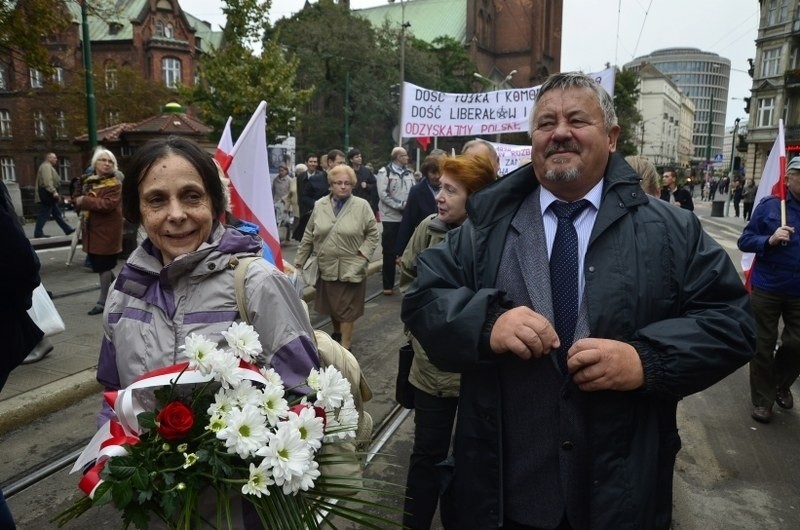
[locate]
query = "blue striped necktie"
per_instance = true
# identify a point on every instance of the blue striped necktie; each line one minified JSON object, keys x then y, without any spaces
{"x":564,"y":275}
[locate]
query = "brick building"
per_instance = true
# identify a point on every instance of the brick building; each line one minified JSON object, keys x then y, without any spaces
{"x":501,"y":37}
{"x":154,"y":38}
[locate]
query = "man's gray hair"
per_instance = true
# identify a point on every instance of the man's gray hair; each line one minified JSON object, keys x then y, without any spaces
{"x":479,"y":141}
{"x":568,"y":80}
{"x":397,"y":152}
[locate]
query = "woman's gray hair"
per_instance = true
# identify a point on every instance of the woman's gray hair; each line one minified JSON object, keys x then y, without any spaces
{"x":568,"y":80}
{"x":100,"y":151}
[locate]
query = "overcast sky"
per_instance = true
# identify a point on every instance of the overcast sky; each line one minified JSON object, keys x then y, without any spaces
{"x":596,"y":32}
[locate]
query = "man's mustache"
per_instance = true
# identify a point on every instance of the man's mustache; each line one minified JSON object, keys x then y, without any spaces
{"x":562,"y":147}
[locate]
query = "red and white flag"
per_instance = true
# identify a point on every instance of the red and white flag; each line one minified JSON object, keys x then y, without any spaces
{"x":773,"y":182}
{"x":224,"y":147}
{"x":251,"y":185}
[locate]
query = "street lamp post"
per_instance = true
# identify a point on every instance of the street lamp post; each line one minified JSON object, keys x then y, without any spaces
{"x":403,"y":26}
{"x":91,"y":117}
{"x":496,"y":86}
{"x":730,"y":173}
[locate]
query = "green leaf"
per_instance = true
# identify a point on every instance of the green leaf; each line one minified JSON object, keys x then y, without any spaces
{"x":141,"y":479}
{"x":147,"y":420}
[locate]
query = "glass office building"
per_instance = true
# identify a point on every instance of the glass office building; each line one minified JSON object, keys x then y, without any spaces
{"x":704,"y":77}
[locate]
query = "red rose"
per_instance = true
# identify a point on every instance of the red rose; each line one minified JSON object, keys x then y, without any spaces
{"x":175,"y":421}
{"x":319,"y":412}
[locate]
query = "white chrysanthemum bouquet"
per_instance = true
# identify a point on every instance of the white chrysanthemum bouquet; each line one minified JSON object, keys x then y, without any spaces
{"x":227,"y":430}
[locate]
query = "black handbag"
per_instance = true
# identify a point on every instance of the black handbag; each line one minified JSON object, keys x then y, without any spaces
{"x":404,"y":390}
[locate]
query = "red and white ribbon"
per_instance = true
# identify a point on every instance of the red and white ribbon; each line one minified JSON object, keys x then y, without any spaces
{"x":110,"y":440}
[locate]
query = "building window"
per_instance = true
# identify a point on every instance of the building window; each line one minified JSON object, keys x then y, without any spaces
{"x":159,"y":28}
{"x":3,"y":78}
{"x":766,"y":108}
{"x":770,"y":62}
{"x":7,"y":169}
{"x":61,"y":124}
{"x":777,"y":12}
{"x":171,"y":72}
{"x":111,"y":77}
{"x":36,"y":78}
{"x":63,"y":169}
{"x":112,"y":118}
{"x":169,"y":32}
{"x":39,"y":124}
{"x":5,"y":124}
{"x":58,"y":76}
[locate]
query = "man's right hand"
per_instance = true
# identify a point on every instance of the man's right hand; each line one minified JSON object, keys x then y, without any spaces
{"x":524,"y":333}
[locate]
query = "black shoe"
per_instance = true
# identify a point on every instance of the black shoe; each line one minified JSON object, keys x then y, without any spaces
{"x":762,"y":414}
{"x":784,"y":398}
{"x":337,"y":337}
{"x":40,"y":236}
{"x":69,"y":233}
{"x":96,"y":310}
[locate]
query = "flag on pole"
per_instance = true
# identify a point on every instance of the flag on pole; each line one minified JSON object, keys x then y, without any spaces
{"x":224,"y":147}
{"x":251,"y":186}
{"x":773,"y":182}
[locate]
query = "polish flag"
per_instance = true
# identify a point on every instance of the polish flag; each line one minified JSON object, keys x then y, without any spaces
{"x":773,"y":182}
{"x":224,"y":147}
{"x":251,"y":186}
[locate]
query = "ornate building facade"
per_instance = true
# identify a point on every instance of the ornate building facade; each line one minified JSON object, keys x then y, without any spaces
{"x":155,"y":38}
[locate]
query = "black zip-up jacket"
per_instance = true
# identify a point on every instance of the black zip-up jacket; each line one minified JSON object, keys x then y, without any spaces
{"x":654,"y":279}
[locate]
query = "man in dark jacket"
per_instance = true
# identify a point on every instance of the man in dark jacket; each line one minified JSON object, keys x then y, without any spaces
{"x":366,"y":184}
{"x":675,"y":195}
{"x":574,"y":430}
{"x":305,"y":199}
{"x":775,"y":296}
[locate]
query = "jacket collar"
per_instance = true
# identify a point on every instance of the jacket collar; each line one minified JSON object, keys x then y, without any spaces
{"x":504,"y":196}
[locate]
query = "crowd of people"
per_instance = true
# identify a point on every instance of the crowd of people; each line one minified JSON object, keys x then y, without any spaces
{"x":545,"y":394}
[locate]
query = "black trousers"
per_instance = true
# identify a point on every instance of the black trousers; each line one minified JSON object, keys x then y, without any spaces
{"x":433,"y":430}
{"x":388,"y":240}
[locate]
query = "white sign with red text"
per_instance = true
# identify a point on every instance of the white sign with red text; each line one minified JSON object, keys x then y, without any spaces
{"x":511,"y":156}
{"x":436,"y":114}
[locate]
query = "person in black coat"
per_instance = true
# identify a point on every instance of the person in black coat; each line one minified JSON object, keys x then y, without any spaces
{"x":18,"y":278}
{"x":573,"y":424}
{"x":366,"y":183}
{"x":421,"y":202}
{"x":675,"y":195}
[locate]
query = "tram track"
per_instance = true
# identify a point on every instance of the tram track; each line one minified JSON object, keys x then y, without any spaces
{"x":386,"y":427}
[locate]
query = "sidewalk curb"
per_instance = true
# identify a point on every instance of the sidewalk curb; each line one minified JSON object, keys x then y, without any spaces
{"x":23,"y":408}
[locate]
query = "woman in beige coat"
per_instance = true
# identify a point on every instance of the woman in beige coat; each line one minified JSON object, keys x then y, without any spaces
{"x":342,"y":233}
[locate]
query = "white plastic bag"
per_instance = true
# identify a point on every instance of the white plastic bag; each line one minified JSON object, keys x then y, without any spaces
{"x":44,"y":313}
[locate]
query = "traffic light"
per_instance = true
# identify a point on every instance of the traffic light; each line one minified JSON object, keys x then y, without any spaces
{"x":747,"y":105}
{"x":394,"y":91}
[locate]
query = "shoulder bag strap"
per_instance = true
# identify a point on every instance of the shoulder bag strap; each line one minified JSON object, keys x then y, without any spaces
{"x":239,"y":274}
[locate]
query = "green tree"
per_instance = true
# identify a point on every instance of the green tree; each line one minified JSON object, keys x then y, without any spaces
{"x":22,"y":25}
{"x":234,"y":80}
{"x":346,"y":62}
{"x":626,"y":95}
{"x":355,"y":68}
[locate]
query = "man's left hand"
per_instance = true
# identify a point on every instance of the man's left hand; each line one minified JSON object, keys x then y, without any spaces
{"x":604,"y":364}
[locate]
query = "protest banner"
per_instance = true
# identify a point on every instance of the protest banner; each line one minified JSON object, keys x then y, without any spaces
{"x":430,"y":113}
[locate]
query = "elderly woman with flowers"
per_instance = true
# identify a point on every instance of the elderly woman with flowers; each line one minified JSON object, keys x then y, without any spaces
{"x":180,"y":280}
